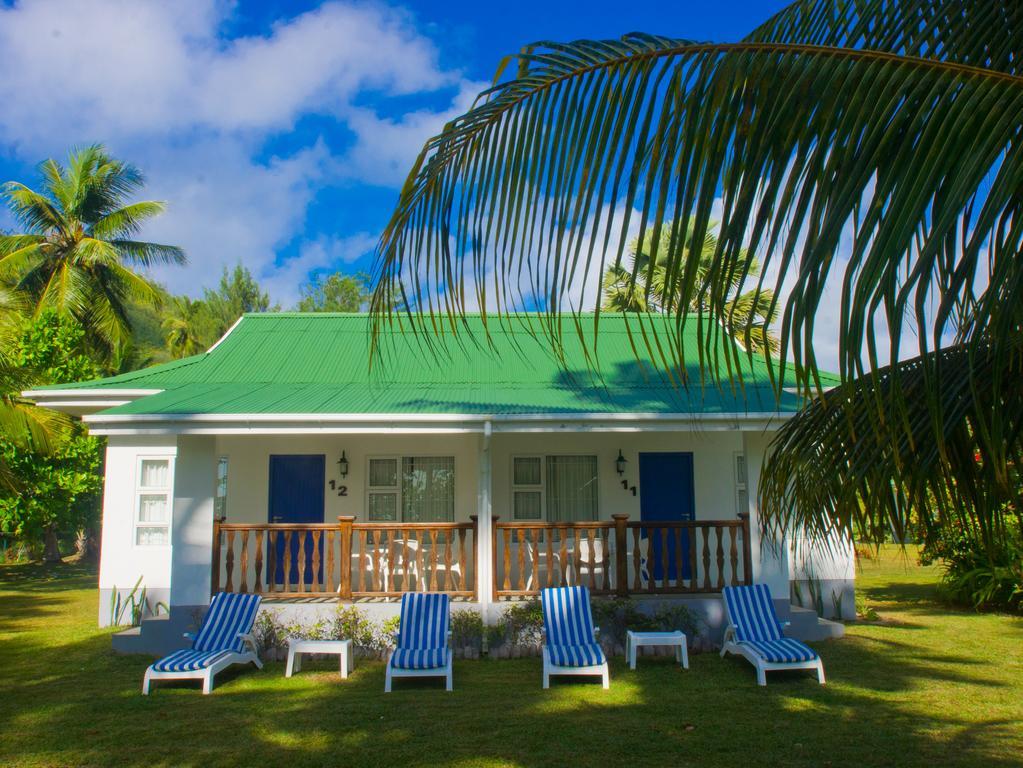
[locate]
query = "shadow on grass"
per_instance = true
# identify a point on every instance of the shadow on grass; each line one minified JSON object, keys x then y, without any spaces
{"x":890,"y":701}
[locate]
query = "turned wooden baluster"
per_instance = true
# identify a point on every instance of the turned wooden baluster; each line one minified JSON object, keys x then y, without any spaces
{"x":563,"y":557}
{"x":592,"y":559}
{"x":637,"y":561}
{"x":301,"y":561}
{"x":448,"y":577}
{"x":433,"y":559}
{"x":318,"y":576}
{"x":507,"y":558}
{"x":679,"y":584}
{"x":534,"y":548}
{"x":721,"y":558}
{"x":373,"y":542}
{"x":651,"y":549}
{"x":244,"y":587}
{"x":346,"y":550}
{"x":287,"y":561}
{"x":329,"y":572}
{"x":706,"y":558}
{"x":694,"y":584}
{"x":259,"y":561}
{"x":520,"y":578}
{"x":463,"y":570}
{"x":550,"y":559}
{"x":272,"y":545}
{"x":396,"y":542}
{"x":230,"y":562}
{"x":733,"y":556}
{"x":420,"y":569}
{"x":665,"y":563}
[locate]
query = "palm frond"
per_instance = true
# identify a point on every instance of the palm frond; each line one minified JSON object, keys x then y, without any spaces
{"x":149,"y":254}
{"x":34,"y":211}
{"x":838,"y":472}
{"x":126,"y":220}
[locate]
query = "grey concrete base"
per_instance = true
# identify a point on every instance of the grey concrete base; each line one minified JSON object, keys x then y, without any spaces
{"x":159,"y":635}
{"x":153,"y":596}
{"x":837,"y":597}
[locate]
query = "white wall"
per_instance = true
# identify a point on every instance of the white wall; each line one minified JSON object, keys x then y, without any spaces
{"x":713,"y":472}
{"x":192,"y":531}
{"x":248,"y":474}
{"x":122,"y":561}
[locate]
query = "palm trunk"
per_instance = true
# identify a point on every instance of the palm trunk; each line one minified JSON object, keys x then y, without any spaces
{"x":51,"y":546}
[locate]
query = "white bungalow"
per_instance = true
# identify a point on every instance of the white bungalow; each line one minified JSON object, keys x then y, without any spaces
{"x":282,"y":462}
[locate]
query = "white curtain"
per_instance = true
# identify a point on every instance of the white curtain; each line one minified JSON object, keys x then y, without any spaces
{"x":428,"y":489}
{"x":571,"y":488}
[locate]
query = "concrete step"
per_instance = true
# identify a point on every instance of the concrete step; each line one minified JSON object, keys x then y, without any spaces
{"x":806,"y":625}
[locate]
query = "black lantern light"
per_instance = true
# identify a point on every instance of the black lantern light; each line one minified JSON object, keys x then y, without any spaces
{"x":342,"y":465}
{"x":620,"y":463}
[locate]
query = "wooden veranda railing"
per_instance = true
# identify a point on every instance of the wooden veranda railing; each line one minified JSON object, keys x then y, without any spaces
{"x":347,"y":560}
{"x":622,"y":557}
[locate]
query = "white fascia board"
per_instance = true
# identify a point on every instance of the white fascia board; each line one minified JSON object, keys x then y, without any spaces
{"x":82,"y":402}
{"x":220,"y":341}
{"x":349,"y":423}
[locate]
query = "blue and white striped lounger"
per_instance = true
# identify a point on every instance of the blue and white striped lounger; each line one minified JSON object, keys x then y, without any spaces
{"x":422,"y":642}
{"x":570,"y":644}
{"x":754,"y":632}
{"x":223,"y":639}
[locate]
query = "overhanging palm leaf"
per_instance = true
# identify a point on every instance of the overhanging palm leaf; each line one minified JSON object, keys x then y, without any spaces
{"x":895,"y":126}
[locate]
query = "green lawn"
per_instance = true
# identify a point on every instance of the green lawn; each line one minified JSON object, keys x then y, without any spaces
{"x":927,"y":686}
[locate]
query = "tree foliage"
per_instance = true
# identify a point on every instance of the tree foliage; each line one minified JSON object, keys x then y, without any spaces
{"x":77,"y":248}
{"x":629,"y":289}
{"x":336,"y":292}
{"x":55,"y":487}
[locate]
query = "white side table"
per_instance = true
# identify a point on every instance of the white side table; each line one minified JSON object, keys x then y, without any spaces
{"x":296,"y":647}
{"x":634,"y":640}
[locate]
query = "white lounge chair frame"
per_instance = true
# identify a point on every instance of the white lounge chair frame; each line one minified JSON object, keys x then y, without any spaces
{"x":206,"y":674}
{"x":445,"y":671}
{"x":601,"y":670}
{"x":550,"y":668}
{"x":731,"y":645}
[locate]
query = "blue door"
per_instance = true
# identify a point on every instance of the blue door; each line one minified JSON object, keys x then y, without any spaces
{"x":296,"y":496}
{"x":666,"y":493}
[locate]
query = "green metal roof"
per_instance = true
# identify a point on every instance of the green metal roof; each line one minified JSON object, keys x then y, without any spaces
{"x":294,"y":363}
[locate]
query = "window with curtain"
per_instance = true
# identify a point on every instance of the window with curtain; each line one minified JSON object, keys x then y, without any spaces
{"x":562,"y":488}
{"x":153,"y":503}
{"x":571,"y":488}
{"x":414,"y":489}
{"x":428,"y":489}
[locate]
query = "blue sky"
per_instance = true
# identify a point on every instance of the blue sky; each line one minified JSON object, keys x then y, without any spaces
{"x":278,"y":132}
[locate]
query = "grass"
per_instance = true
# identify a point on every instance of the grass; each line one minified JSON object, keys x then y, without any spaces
{"x":925,"y":686}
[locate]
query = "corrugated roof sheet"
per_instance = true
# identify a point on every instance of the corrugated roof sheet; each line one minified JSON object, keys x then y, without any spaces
{"x":320,"y":363}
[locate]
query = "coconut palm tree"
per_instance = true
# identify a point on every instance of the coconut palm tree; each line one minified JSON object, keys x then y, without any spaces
{"x":76,"y":253}
{"x":641,"y":287}
{"x":866,"y":152}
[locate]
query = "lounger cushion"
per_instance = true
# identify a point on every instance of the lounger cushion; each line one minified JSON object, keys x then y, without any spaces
{"x":419,"y":658}
{"x":584,"y":655}
{"x":784,"y":651}
{"x":187,"y":660}
{"x":751,"y":612}
{"x":567,"y":620}
{"x":424,"y":620}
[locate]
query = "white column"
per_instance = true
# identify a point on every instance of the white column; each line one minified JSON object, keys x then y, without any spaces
{"x":484,"y":536}
{"x":192,"y":530}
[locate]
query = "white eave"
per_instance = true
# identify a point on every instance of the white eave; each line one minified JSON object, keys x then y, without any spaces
{"x":392,"y":423}
{"x":85,"y":401}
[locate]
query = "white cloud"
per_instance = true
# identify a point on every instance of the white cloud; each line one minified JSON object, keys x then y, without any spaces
{"x":161,"y":87}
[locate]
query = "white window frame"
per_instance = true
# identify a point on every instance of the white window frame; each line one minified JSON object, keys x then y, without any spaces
{"x":544,"y":513}
{"x":140,"y":491}
{"x":542,"y":487}
{"x":740,"y":472}
{"x":398,"y":458}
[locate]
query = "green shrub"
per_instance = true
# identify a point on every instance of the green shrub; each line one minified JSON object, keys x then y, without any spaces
{"x":467,"y":630}
{"x":984,"y":577}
